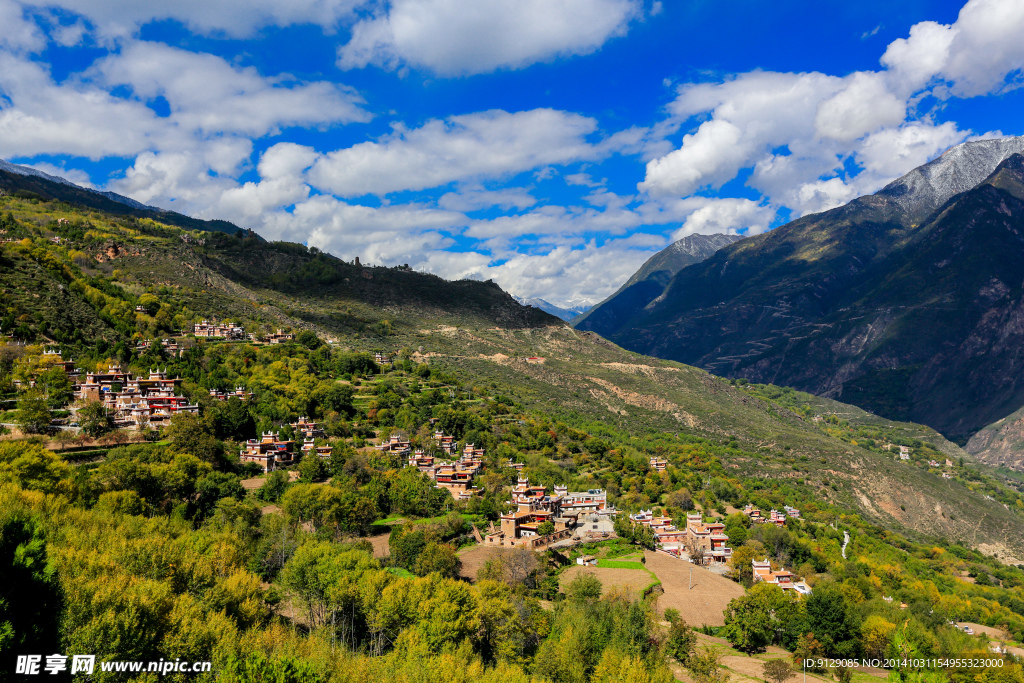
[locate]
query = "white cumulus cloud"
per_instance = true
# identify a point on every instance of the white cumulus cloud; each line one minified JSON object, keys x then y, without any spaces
{"x":490,"y":144}
{"x":207,"y":94}
{"x":458,"y":37}
{"x":234,"y":18}
{"x":17,"y":32}
{"x":974,"y":55}
{"x":728,"y":216}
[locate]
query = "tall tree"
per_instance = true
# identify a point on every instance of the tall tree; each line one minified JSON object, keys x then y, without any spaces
{"x":33,"y":412}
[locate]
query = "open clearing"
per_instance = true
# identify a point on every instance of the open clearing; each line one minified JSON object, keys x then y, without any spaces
{"x":989,"y":631}
{"x":379,"y":543}
{"x":475,"y":558}
{"x":632,"y":579}
{"x":701,"y":605}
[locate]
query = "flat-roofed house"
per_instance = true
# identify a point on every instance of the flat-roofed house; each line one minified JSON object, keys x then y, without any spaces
{"x":785,"y":580}
{"x":308,"y":429}
{"x":269,"y":451}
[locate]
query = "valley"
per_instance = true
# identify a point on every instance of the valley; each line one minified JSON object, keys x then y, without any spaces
{"x":371,"y":354}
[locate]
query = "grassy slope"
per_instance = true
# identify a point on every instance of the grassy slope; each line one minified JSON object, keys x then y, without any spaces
{"x":229,"y":278}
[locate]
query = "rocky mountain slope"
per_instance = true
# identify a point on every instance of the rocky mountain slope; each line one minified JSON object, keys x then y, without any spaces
{"x":1000,"y":444}
{"x":648,"y":284}
{"x":959,"y":169}
{"x":919,"y":321}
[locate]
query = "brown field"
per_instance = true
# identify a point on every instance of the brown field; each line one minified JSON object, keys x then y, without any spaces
{"x":475,"y":558}
{"x":632,"y":579}
{"x":379,"y":543}
{"x":254,"y":483}
{"x":989,"y":631}
{"x":701,"y":605}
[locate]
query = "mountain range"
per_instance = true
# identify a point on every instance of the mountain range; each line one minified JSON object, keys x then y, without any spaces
{"x":566,"y":313}
{"x":648,"y":284}
{"x":908,"y":302}
{"x":29,"y":182}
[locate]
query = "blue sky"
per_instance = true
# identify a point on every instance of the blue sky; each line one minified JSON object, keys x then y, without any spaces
{"x":552,"y":145}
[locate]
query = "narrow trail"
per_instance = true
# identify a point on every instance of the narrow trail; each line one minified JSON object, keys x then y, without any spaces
{"x":846,"y":542}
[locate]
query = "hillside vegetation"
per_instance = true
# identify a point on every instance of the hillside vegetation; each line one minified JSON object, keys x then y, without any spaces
{"x":157,"y":549}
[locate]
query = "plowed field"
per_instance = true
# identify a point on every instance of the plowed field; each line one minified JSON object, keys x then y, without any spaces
{"x":701,"y":605}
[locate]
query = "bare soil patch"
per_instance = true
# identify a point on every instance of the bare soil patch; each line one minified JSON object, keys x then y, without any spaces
{"x":379,"y":543}
{"x":989,"y":631}
{"x":475,"y":558}
{"x":753,"y":667}
{"x":632,"y":579}
{"x":253,"y":484}
{"x":701,"y":605}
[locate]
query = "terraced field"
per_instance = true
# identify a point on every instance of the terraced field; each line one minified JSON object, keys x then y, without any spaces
{"x":700,"y":605}
{"x":632,"y":579}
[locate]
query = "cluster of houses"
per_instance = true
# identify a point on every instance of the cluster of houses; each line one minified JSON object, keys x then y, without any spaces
{"x":279,"y":337}
{"x":170,"y":346}
{"x":132,"y":400}
{"x":935,"y":464}
{"x":214,"y":330}
{"x":206,"y":329}
{"x":272,"y":452}
{"x":534,"y":506}
{"x":785,"y":580}
{"x":211,"y":330}
{"x":50,"y":359}
{"x":702,"y":542}
{"x":774,"y":516}
{"x":239,"y":392}
{"x":455,"y":476}
{"x":659,"y":464}
{"x":947,"y":472}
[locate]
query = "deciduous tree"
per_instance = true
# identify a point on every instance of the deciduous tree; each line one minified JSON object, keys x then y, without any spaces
{"x":777,"y":671}
{"x":33,"y":414}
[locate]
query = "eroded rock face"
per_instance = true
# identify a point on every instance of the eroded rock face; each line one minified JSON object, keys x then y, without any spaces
{"x":912,"y":320}
{"x":113,"y":250}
